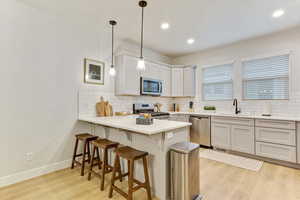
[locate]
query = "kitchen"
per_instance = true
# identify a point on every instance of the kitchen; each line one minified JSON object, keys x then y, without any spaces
{"x":225,"y":81}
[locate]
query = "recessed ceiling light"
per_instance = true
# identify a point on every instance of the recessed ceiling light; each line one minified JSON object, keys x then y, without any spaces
{"x":190,"y":41}
{"x":165,"y":26}
{"x":278,"y":13}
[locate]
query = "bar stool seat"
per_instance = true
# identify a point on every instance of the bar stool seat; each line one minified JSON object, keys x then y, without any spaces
{"x":104,"y":145}
{"x":131,"y":155}
{"x":85,"y":138}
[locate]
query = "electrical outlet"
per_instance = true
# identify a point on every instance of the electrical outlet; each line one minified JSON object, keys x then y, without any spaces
{"x":29,"y":156}
{"x":170,"y":135}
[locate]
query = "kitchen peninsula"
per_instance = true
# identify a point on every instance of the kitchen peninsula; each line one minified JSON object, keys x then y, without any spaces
{"x":154,"y":139}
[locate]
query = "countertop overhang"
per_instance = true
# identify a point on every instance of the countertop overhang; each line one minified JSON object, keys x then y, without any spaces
{"x":128,"y":123}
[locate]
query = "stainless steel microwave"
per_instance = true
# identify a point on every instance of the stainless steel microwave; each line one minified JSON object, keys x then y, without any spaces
{"x":151,"y":86}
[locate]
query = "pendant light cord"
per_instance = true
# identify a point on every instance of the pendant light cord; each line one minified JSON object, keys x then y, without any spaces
{"x":142,"y":33}
{"x":112,"y":47}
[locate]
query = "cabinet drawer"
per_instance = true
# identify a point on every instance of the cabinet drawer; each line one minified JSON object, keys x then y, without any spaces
{"x":275,"y":124}
{"x":278,"y":136}
{"x":233,"y":120}
{"x":276,"y":151}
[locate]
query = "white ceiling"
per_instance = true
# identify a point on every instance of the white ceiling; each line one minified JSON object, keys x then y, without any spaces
{"x":211,"y":22}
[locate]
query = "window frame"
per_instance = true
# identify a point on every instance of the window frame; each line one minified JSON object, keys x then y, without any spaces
{"x":282,"y":53}
{"x":232,"y":62}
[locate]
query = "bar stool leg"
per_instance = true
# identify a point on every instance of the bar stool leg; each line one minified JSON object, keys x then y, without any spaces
{"x":89,"y":152}
{"x":130,"y":179}
{"x":112,"y":183}
{"x":74,"y":154}
{"x":92,"y":163}
{"x":104,"y":167}
{"x":83,"y":157}
{"x":147,"y":182}
{"x":99,"y":159}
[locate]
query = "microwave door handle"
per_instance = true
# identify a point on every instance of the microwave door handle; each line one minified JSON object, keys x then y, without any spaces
{"x":160,"y":85}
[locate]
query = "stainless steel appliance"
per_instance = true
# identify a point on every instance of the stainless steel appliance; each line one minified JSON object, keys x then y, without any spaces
{"x":149,"y":108}
{"x":200,"y":131}
{"x":151,"y":87}
{"x":185,"y":171}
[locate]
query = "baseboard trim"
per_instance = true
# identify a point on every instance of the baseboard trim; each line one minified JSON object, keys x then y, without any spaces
{"x":25,"y":175}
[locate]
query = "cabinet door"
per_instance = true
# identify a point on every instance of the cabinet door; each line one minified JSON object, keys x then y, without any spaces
{"x":220,"y":135}
{"x":177,"y":82}
{"x":189,"y":81}
{"x":165,"y":77}
{"x":132,"y":77}
{"x":242,"y":139}
{"x":128,"y":78}
{"x":152,"y":71}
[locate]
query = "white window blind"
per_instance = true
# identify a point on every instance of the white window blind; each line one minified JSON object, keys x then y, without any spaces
{"x":266,"y":78}
{"x":217,"y":82}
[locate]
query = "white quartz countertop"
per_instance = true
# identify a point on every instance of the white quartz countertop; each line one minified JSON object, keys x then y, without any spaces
{"x":129,"y":123}
{"x":242,"y":115}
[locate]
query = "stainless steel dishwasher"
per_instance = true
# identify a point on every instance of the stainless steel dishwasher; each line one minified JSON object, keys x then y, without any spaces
{"x":200,"y":130}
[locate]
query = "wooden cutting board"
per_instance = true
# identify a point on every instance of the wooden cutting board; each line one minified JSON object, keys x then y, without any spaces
{"x":100,"y":107}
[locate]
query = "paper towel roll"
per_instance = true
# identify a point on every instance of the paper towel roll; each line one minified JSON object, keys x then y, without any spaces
{"x":267,"y":109}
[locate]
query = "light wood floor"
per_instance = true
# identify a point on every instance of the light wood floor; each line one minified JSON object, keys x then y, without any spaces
{"x":218,"y":182}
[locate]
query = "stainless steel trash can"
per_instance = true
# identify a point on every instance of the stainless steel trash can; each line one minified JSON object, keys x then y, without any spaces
{"x":185,"y":171}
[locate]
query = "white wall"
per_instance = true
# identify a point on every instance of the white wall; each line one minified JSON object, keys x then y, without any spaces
{"x":278,"y":42}
{"x":41,"y":73}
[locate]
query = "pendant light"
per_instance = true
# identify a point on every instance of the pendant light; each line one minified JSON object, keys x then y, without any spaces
{"x":112,"y":70}
{"x":141,"y":63}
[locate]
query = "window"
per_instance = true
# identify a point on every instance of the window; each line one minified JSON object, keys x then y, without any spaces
{"x":266,"y":78}
{"x":217,"y":82}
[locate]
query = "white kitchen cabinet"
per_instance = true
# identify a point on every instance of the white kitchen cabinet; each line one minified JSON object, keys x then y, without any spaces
{"x":220,"y":135}
{"x":277,"y":136}
{"x":152,"y":71}
{"x":127,"y":80}
{"x":177,"y":82}
{"x":276,"y":151}
{"x":275,"y":124}
{"x":165,"y":77}
{"x":242,"y":139}
{"x":189,"y":80}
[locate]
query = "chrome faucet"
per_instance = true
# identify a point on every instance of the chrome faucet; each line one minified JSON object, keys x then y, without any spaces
{"x":235,"y":103}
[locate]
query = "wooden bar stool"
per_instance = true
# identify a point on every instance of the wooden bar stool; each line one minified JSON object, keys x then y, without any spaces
{"x":105,"y":145}
{"x":131,"y":155}
{"x":86,"y":139}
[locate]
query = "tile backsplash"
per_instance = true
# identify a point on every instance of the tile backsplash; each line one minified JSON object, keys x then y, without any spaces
{"x":279,"y":107}
{"x":88,"y":97}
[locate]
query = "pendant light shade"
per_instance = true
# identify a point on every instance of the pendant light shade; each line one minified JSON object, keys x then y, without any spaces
{"x":112,"y":70}
{"x":141,"y":63}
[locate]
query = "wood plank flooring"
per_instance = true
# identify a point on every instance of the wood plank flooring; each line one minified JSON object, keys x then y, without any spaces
{"x":218,"y":182}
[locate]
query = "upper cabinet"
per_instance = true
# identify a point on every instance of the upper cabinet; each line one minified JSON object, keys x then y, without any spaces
{"x":183,"y":82}
{"x":165,"y":76}
{"x":127,"y":80}
{"x":189,"y":81}
{"x":176,"y":82}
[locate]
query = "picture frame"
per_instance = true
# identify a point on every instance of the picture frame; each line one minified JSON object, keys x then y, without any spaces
{"x":94,"y":71}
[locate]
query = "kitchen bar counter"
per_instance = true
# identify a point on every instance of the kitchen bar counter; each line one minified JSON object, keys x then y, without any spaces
{"x":242,"y":115}
{"x":128,"y":123}
{"x":155,"y":139}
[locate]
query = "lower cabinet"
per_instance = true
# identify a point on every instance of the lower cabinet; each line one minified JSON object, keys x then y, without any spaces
{"x":276,"y":151}
{"x":220,"y":135}
{"x":242,"y":139}
{"x":233,"y":137}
